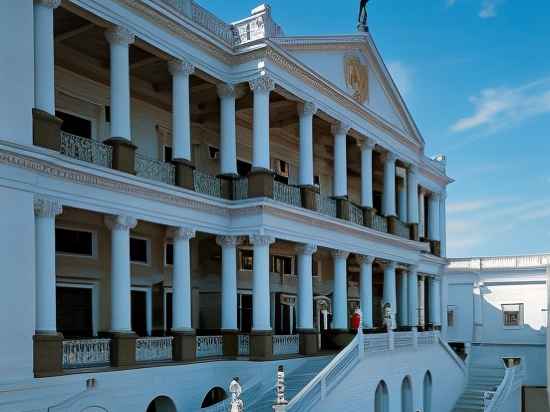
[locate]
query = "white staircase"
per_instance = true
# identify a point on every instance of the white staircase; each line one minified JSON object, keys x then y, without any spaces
{"x":481,"y":379}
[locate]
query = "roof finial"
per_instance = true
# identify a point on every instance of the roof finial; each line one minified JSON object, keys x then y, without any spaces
{"x":362,"y":19}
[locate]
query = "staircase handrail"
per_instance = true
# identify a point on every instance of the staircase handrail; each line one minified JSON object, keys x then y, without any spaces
{"x":503,"y":391}
{"x":461,"y":364}
{"x":356,"y":343}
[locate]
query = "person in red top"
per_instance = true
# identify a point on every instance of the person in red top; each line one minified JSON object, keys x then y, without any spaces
{"x":356,"y":320}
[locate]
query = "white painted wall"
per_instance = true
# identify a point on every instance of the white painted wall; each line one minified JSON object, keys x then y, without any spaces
{"x":17,"y":291}
{"x":16,"y":71}
{"x":356,"y":391}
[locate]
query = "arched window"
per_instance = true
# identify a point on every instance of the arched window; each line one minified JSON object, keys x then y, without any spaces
{"x":381,"y":398}
{"x":428,"y":392}
{"x":162,"y":404}
{"x":406,"y":395}
{"x":214,"y":396}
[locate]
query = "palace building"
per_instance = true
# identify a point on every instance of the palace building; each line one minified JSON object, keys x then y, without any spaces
{"x":185,"y":200}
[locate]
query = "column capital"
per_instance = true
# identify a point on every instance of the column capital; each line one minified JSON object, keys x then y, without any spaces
{"x":263,"y":83}
{"x":422,"y":190}
{"x":226,"y":90}
{"x":307,"y":109}
{"x":229,"y":241}
{"x":339,"y":254}
{"x":47,"y":207}
{"x":340,"y":128}
{"x":389,"y":264}
{"x":413,"y":268}
{"x":53,"y":4}
{"x":436,"y":196}
{"x":306,"y":249}
{"x":120,"y":222}
{"x":389,"y":157}
{"x":362,"y":259}
{"x":177,"y":66}
{"x":366,"y":144}
{"x":181,"y":233}
{"x":261,"y":240}
{"x":412,"y":170}
{"x":120,"y":35}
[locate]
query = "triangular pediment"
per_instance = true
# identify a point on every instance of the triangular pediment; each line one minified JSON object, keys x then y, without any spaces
{"x":353,"y":65}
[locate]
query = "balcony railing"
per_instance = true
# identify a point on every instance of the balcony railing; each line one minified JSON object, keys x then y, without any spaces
{"x":208,"y":346}
{"x":207,"y":184}
{"x":86,"y":353}
{"x":244,"y":345}
{"x":355,"y":214}
{"x":287,"y":194}
{"x":377,"y":343}
{"x":380,"y":223}
{"x":325,"y":205}
{"x":240,"y":189}
{"x":154,"y":349}
{"x":402,"y":229}
{"x":404,"y":339}
{"x":155,"y":169}
{"x":286,"y":344}
{"x":87,"y":150}
{"x":426,"y":338}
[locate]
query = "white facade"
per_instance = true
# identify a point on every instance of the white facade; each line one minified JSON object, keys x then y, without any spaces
{"x":146,"y":76}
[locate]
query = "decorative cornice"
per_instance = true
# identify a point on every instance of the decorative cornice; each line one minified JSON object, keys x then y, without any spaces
{"x":180,"y":233}
{"x":47,"y":207}
{"x":369,"y":260}
{"x":120,"y":222}
{"x":53,"y":4}
{"x":120,"y":35}
{"x":178,"y":66}
{"x":306,"y":249}
{"x":263,"y":84}
{"x":226,"y":90}
{"x":339,"y":129}
{"x":229,"y":241}
{"x":261,"y":240}
{"x":307,"y":109}
{"x":339,"y":254}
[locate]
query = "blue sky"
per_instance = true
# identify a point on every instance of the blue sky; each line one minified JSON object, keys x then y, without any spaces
{"x":475,"y":75}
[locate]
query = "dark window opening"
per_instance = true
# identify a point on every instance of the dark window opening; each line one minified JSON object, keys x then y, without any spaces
{"x":169,"y":254}
{"x":213,"y":152}
{"x":281,"y":265}
{"x":75,"y":125}
{"x":108,"y":114}
{"x":247,"y":259}
{"x":243,"y":168}
{"x":139,"y":312}
{"x":168,"y":154}
{"x":75,"y":242}
{"x":138,"y":250}
{"x":169,"y":311}
{"x":377,"y":201}
{"x":245,"y":313}
{"x":74,"y":312}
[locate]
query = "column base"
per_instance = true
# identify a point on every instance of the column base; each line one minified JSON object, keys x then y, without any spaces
{"x":342,"y":208}
{"x":435,"y":247}
{"x":392,"y":224}
{"x":261,"y":345}
{"x":368,"y":216}
{"x":336,"y":339}
{"x":47,"y":355}
{"x":184,"y":346}
{"x":124,"y":154}
{"x":414,"y":231}
{"x":184,"y":173}
{"x":308,"y":341}
{"x":227,"y":183}
{"x":260,"y":183}
{"x":46,"y":130}
{"x":123,"y":348}
{"x":230,"y":343}
{"x":308,"y":197}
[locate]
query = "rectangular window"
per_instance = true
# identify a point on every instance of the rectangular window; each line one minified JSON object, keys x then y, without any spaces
{"x":167,"y":153}
{"x":246,"y":259}
{"x":139,"y":250}
{"x":74,"y":242}
{"x":169,"y":254}
{"x":513,"y":315}
{"x":451,"y":312}
{"x":282,"y":265}
{"x":75,"y":125}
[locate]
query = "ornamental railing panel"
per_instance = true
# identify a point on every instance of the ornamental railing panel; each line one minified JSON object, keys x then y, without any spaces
{"x":244,"y":345}
{"x":426,"y":338}
{"x":380,"y":223}
{"x":403,"y":339}
{"x":86,"y":353}
{"x":355,"y":214}
{"x":325,"y":205}
{"x":286,"y":344}
{"x":154,"y":349}
{"x":402,"y":229}
{"x":207,"y":184}
{"x":287,"y":194}
{"x":155,"y":169}
{"x":240,"y":189}
{"x":87,"y":150}
{"x":379,"y":342}
{"x":213,"y":24}
{"x":208,"y":346}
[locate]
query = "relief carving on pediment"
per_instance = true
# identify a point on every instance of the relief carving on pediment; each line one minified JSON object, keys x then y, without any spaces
{"x":357,"y":78}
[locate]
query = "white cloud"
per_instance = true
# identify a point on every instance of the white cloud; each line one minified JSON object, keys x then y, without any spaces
{"x":451,"y":3}
{"x":402,"y":76}
{"x":488,"y":9}
{"x":502,"y":107}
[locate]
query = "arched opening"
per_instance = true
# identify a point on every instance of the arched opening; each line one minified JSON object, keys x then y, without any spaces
{"x":382,"y":398}
{"x":406,"y":395}
{"x":162,"y":404}
{"x":428,"y":392}
{"x":214,"y":396}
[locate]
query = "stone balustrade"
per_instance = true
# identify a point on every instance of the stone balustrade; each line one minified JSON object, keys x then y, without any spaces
{"x":87,"y":150}
{"x":154,"y":349}
{"x":86,"y":353}
{"x":286,"y":344}
{"x":209,"y":346}
{"x":155,"y":169}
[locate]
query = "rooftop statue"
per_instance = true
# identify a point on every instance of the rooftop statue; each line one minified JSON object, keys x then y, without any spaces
{"x":362,"y":19}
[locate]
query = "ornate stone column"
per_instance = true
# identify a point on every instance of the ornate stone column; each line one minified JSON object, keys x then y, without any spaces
{"x":228,"y":135}
{"x":306,"y":111}
{"x":340,"y":183}
{"x":48,"y":344}
{"x":389,"y":199}
{"x":443,"y":223}
{"x":261,"y":345}
{"x":478,"y":312}
{"x":120,"y":38}
{"x":181,"y":122}
{"x":46,"y":127}
{"x":308,"y":335}
{"x":421,"y":301}
{"x":413,"y":296}
{"x":183,"y":348}
{"x":340,"y":292}
{"x":402,"y":198}
{"x":123,"y":345}
{"x":367,"y":147}
{"x":365,"y":263}
{"x":422,"y":232}
{"x":260,"y":183}
{"x":413,"y":197}
{"x":433,"y":226}
{"x":435,"y":302}
{"x":390,"y":292}
{"x":230,"y":327}
{"x":404,"y":300}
